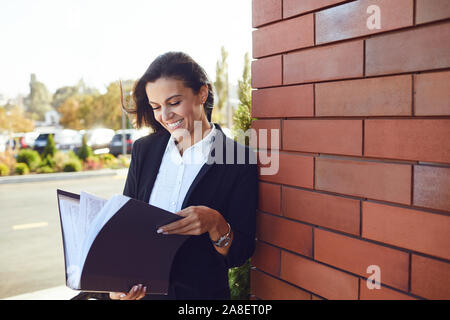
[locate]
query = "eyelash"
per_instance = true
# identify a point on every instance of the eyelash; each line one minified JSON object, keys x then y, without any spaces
{"x":171,"y":104}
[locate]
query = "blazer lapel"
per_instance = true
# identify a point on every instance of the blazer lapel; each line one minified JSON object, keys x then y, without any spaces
{"x":205,"y":168}
{"x":151,"y":164}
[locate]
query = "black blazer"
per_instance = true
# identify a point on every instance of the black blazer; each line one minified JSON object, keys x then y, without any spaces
{"x":230,"y":187}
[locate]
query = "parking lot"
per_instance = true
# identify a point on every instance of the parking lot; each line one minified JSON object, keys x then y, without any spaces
{"x":31,"y":253}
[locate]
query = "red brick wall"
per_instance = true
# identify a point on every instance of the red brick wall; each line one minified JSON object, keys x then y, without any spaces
{"x":364,"y":149}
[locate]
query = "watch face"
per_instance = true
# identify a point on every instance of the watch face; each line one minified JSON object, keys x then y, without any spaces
{"x":222,"y":242}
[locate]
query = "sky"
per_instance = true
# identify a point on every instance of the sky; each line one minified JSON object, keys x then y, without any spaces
{"x":101,"y":41}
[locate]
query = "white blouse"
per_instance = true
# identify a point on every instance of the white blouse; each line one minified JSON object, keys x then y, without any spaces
{"x":177,"y":172}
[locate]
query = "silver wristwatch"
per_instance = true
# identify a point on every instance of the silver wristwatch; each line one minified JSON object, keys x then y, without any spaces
{"x":224,"y":240}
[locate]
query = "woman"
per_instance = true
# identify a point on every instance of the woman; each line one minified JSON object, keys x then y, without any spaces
{"x":188,"y":166}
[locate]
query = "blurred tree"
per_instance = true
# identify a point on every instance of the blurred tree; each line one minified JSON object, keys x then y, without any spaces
{"x":69,"y":112}
{"x":39,"y":100}
{"x":110,"y":107}
{"x":15,"y":120}
{"x":62,"y":94}
{"x":221,"y":87}
{"x":239,"y":278}
{"x":242,"y":117}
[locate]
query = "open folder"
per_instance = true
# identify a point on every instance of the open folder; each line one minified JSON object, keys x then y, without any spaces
{"x":111,"y":245}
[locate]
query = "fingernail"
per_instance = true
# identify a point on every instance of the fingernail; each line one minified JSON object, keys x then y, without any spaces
{"x":136,"y":288}
{"x":159,"y":230}
{"x":122,"y":295}
{"x":145,"y":289}
{"x":165,"y":233}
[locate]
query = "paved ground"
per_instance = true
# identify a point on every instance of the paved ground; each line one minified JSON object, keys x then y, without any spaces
{"x":31,"y":254}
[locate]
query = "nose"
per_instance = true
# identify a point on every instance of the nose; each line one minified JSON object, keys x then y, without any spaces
{"x":166,"y":114}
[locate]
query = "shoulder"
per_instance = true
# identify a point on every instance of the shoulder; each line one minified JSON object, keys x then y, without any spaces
{"x":149,"y":140}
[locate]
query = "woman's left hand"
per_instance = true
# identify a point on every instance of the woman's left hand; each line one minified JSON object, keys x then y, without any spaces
{"x":198,"y":220}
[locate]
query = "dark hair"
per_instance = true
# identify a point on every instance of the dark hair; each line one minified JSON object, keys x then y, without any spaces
{"x":174,"y":65}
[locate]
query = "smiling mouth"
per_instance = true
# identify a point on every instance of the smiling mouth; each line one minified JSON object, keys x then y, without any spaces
{"x":175,"y":125}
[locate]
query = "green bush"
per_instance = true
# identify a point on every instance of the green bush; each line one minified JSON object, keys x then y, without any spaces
{"x":72,"y":166}
{"x":4,"y":170}
{"x":85,"y":151}
{"x":30,"y":157}
{"x":48,"y":161}
{"x":22,"y":168}
{"x":92,"y":163}
{"x":109,"y":161}
{"x":50,"y":148}
{"x":45,"y":169}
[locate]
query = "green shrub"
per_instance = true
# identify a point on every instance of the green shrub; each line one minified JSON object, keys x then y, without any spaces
{"x":45,"y":169}
{"x":22,"y":168}
{"x":124,"y":161}
{"x":48,"y":161}
{"x":85,"y":151}
{"x":50,"y":148}
{"x":109,"y":161}
{"x":30,"y":157}
{"x":92,"y":163}
{"x":4,"y":169}
{"x":72,"y":166}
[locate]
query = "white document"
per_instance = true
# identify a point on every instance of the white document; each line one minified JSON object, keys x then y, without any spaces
{"x":82,"y":220}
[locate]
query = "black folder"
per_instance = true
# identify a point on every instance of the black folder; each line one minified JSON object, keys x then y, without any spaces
{"x":128,"y":250}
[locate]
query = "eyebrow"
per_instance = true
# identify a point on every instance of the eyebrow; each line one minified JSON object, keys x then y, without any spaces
{"x":171,"y":97}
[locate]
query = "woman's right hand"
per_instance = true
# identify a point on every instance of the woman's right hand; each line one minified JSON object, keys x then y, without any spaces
{"x":137,"y":292}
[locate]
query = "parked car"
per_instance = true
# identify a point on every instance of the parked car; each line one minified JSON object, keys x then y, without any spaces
{"x":22,"y":140}
{"x":41,"y":141}
{"x":131,"y":135}
{"x":99,"y":139}
{"x":67,"y":139}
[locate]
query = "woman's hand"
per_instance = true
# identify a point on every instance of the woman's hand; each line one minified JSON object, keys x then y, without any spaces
{"x":137,"y":292}
{"x":198,"y":220}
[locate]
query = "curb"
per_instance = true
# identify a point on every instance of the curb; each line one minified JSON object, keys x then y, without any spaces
{"x":62,"y":176}
{"x":56,"y":293}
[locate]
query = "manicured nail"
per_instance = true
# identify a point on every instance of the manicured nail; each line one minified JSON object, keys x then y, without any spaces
{"x":136,"y":288}
{"x":122,"y":295}
{"x":159,"y":230}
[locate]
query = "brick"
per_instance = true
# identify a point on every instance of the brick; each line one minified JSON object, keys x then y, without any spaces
{"x":291,"y":101}
{"x":350,"y":20}
{"x":269,"y":197}
{"x":409,"y":139}
{"x":269,"y":140}
{"x":356,"y":256}
{"x":384,"y":96}
{"x":267,"y":258}
{"x":268,"y":288}
{"x":407,"y":228}
{"x":295,"y":7}
{"x":265,"y":11}
{"x":284,"y":233}
{"x":432,"y":10}
{"x":405,"y":51}
{"x":266,"y":72}
{"x":432,"y":187}
{"x":321,"y":209}
{"x":382,"y":181}
{"x":324,"y":136}
{"x":315,"y":277}
{"x":383,"y":293}
{"x":283,"y":36}
{"x":295,"y":170}
{"x":432,"y":94}
{"x":430,"y":278}
{"x":338,"y":61}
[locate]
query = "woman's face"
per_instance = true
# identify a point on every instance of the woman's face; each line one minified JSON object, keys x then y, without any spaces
{"x":176,"y":106}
